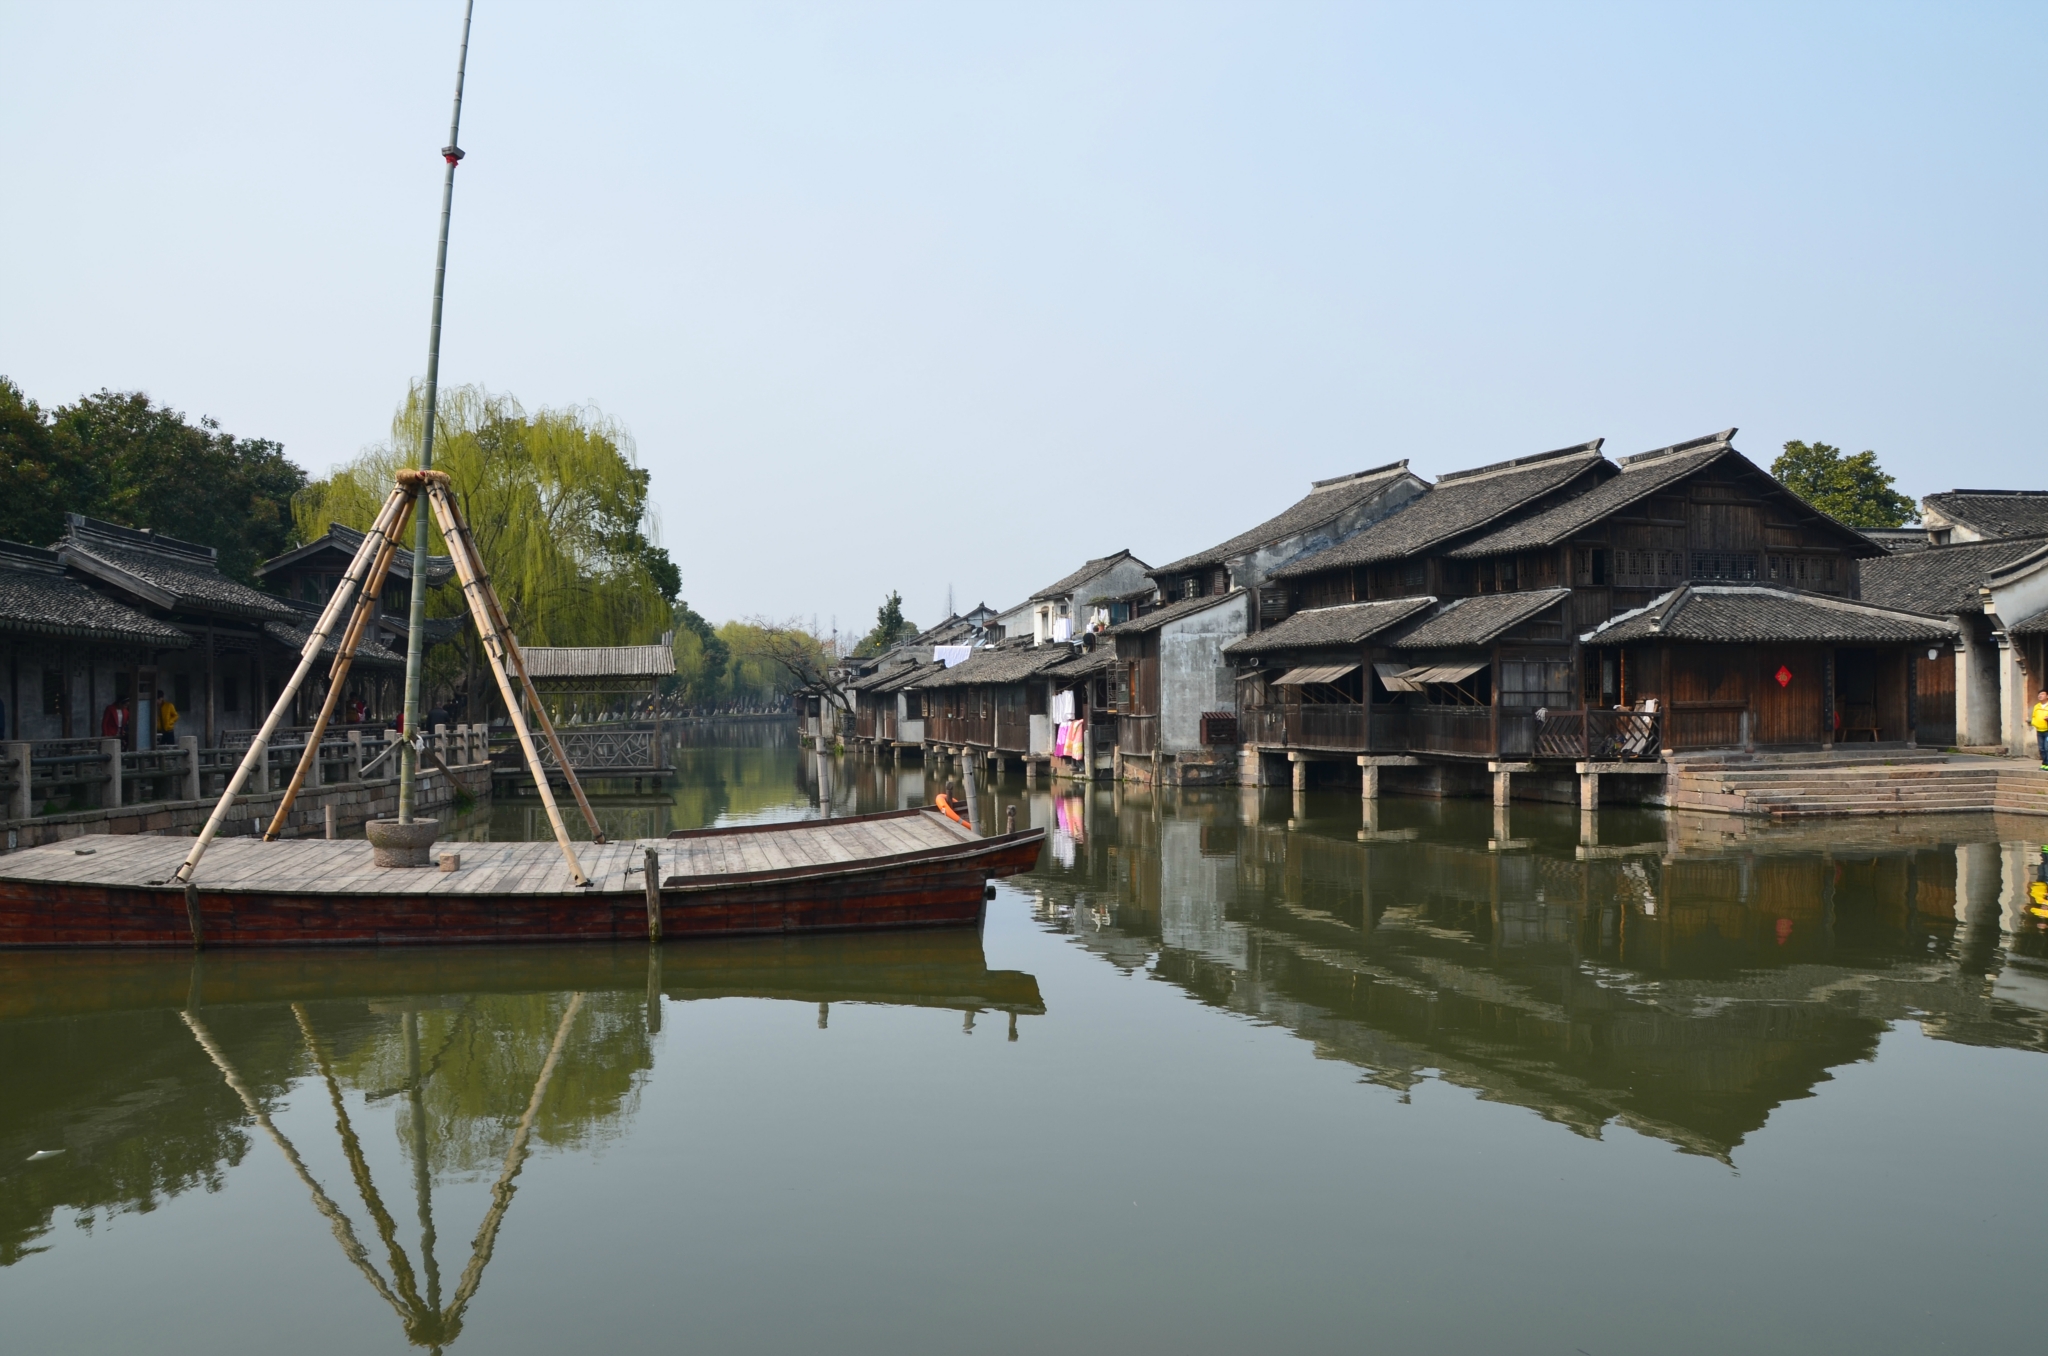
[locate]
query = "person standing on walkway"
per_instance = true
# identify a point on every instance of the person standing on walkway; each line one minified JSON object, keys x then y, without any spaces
{"x":2040,"y":723}
{"x":114,"y":722}
{"x":166,"y":721}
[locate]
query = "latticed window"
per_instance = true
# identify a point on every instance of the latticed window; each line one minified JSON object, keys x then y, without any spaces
{"x":1526,"y":684}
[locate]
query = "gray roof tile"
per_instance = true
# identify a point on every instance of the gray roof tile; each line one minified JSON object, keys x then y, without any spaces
{"x":181,"y":574}
{"x":1641,"y":476}
{"x":1062,"y":587}
{"x":997,"y":664}
{"x":1994,"y":513}
{"x":1942,"y":579}
{"x":1477,"y":621}
{"x":1325,"y":501}
{"x":1347,"y":624}
{"x":348,"y":540}
{"x":1462,"y":502}
{"x":1172,"y":612}
{"x":1759,"y":613}
{"x":36,"y":597}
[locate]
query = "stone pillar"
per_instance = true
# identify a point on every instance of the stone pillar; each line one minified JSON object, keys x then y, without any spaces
{"x":1299,"y":769}
{"x":189,"y":746}
{"x":1030,"y":772}
{"x":110,"y":749}
{"x":441,"y":746}
{"x":355,"y":757}
{"x":1368,"y":779}
{"x":1502,"y":785}
{"x":18,"y":802}
{"x":1589,"y":788}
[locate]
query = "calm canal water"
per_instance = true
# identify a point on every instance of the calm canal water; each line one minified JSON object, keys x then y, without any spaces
{"x":1230,"y":1072}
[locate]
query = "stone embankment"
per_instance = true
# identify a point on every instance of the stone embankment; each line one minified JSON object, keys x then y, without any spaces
{"x":1891,"y":784}
{"x":353,"y":803}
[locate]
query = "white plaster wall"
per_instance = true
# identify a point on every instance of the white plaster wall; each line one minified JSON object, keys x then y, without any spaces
{"x":2021,"y":598}
{"x":1193,"y":675}
{"x":1040,"y":744}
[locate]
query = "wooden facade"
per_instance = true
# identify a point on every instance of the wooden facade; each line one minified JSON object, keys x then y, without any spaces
{"x":1585,"y":541}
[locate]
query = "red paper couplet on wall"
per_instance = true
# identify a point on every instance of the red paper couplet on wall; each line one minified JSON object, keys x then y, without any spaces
{"x":1784,"y":676}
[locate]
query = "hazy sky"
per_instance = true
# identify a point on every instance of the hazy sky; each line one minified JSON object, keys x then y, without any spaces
{"x":893,"y":296}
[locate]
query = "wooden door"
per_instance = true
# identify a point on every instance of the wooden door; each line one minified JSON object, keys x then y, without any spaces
{"x":1935,"y":718}
{"x":1790,"y":710}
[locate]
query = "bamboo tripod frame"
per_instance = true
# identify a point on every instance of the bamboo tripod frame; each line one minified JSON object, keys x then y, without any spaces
{"x":361,"y":585}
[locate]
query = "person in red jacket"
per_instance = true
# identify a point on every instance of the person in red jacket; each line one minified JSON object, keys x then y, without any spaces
{"x":114,"y":723}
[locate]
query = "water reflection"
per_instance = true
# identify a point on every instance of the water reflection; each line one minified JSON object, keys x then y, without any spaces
{"x":135,"y":1078}
{"x":1683,"y":977}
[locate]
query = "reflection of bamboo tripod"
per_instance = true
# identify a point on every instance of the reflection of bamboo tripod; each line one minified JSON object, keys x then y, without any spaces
{"x":363,"y":584}
{"x":428,"y":1322}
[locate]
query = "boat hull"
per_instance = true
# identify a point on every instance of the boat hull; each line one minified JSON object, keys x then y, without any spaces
{"x":939,"y":887}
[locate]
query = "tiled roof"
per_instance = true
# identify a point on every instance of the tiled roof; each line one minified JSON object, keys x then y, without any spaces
{"x":598,"y":661}
{"x":36,"y":597}
{"x":1088,"y":663}
{"x":1942,"y":579}
{"x":1325,"y":501}
{"x":173,"y":574}
{"x":903,"y":676}
{"x":1061,"y":588}
{"x":1348,"y":624}
{"x":370,"y":654}
{"x":1641,"y":476}
{"x":997,"y":664}
{"x":1172,"y":612}
{"x":1462,"y":502}
{"x":1994,"y":513}
{"x":348,"y":541}
{"x":1738,"y":613}
{"x":1896,"y":539}
{"x":895,"y":665}
{"x":1477,"y":621}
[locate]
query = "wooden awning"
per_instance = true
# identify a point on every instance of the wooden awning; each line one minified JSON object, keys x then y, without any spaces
{"x":1326,"y":673}
{"x":1396,"y":678}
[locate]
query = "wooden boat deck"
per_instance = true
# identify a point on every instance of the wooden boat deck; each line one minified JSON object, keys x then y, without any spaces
{"x":302,"y":866}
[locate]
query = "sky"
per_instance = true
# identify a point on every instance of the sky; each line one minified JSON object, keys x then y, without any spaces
{"x":938,"y":296}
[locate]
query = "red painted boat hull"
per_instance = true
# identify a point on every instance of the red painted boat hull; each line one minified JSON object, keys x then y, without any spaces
{"x":943,"y":887}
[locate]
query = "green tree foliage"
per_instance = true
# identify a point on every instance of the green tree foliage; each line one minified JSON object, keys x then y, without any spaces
{"x":1854,"y":490}
{"x":890,"y":627}
{"x":558,"y":504}
{"x":701,"y":659}
{"x":770,"y":661}
{"x":119,"y":456}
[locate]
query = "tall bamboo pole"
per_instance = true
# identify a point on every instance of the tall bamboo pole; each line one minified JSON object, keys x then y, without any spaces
{"x":477,"y":589}
{"x":259,"y":747}
{"x":416,"y":639}
{"x":517,"y":665}
{"x":337,"y":676}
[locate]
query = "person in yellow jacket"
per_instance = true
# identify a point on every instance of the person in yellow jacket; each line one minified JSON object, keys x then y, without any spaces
{"x":2040,"y":723}
{"x":167,"y":720}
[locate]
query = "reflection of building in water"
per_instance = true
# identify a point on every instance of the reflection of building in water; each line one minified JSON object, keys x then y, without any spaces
{"x":150,"y":1075}
{"x":1682,"y":989}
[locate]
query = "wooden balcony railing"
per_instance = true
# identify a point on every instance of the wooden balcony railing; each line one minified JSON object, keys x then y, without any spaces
{"x":1470,"y":731}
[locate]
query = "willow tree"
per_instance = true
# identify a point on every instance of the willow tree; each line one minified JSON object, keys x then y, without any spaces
{"x":558,"y":503}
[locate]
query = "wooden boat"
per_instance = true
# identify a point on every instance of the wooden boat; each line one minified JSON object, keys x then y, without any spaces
{"x":900,"y":869}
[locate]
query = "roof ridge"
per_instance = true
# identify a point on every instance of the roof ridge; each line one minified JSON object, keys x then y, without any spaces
{"x":1939,"y":493}
{"x":1824,"y":599}
{"x":1591,"y":448}
{"x":1315,"y":485}
{"x":143,"y":539}
{"x":19,"y":555}
{"x":1725,"y":437}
